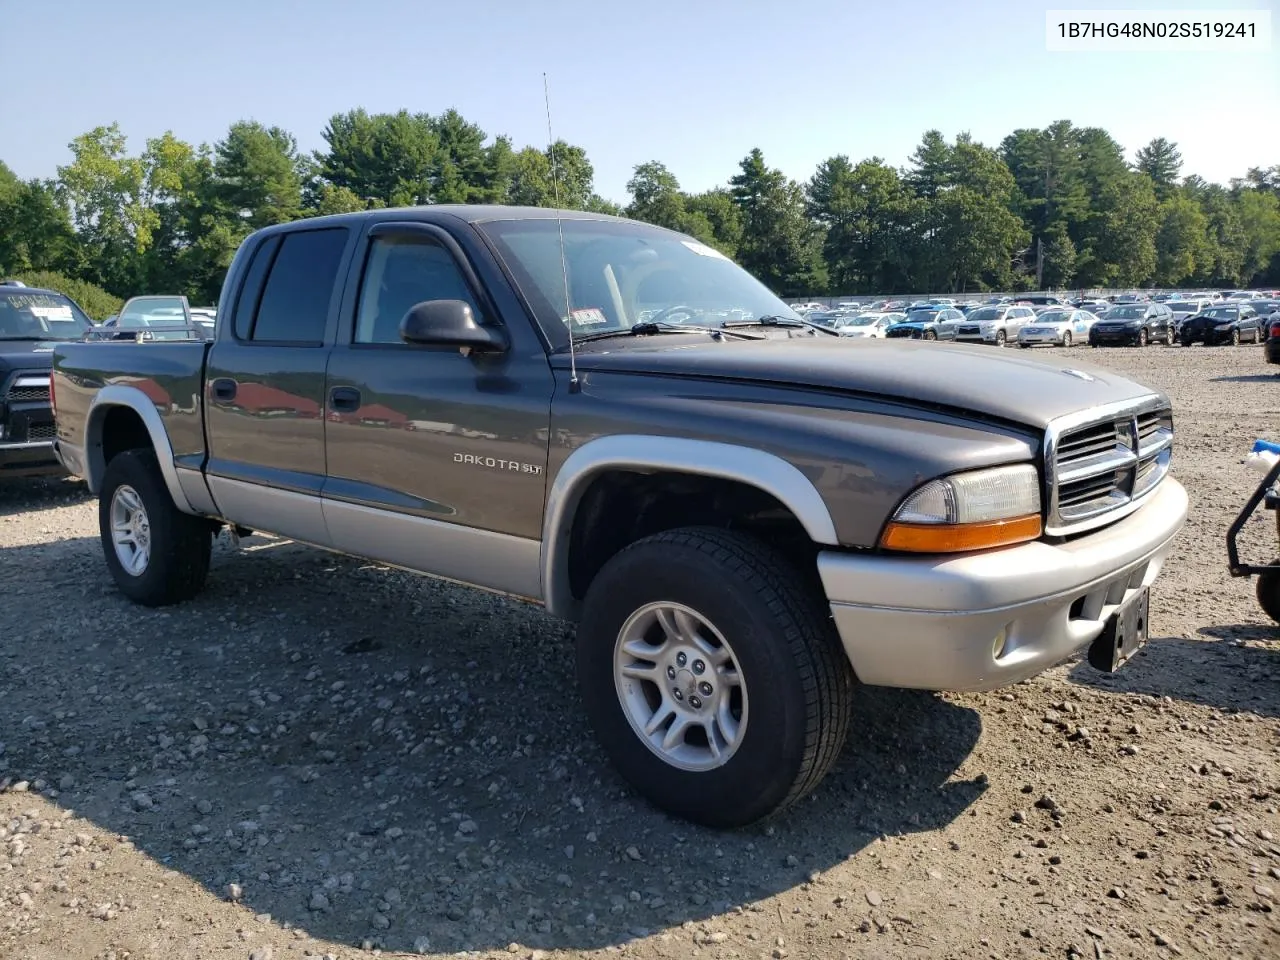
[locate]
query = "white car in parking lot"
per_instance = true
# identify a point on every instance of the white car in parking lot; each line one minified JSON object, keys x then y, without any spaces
{"x":1058,"y":327}
{"x":868,"y":324}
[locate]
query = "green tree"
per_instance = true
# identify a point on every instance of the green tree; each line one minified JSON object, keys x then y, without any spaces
{"x":718,"y":211}
{"x":930,"y":165}
{"x":1122,"y":233}
{"x":1058,"y":254}
{"x":1259,"y":212}
{"x":779,"y":243}
{"x":1162,"y":162}
{"x":656,"y":197}
{"x":391,"y":159}
{"x":35,"y":226}
{"x":1182,"y":241}
{"x":258,"y":175}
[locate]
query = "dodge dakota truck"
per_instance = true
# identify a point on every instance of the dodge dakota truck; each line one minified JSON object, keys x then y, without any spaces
{"x":746,"y":516}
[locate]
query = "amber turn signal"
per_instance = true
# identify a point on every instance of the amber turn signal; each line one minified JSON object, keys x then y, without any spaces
{"x":959,"y":537}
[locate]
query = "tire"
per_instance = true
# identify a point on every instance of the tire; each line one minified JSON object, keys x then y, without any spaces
{"x":1143,"y":338}
{"x":1235,"y":337}
{"x":178,"y":545}
{"x":1024,"y":346}
{"x":1000,"y":338}
{"x":1169,"y":339}
{"x":1066,"y":338}
{"x":1269,"y":592}
{"x":797,"y":686}
{"x":930,"y":335}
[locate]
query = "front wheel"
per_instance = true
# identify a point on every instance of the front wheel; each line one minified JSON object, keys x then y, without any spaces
{"x":1235,"y":338}
{"x":1000,"y":338}
{"x":712,"y":675}
{"x":1169,"y":338}
{"x":157,"y":554}
{"x":1143,"y":339}
{"x":930,"y":335}
{"x":1066,"y":338}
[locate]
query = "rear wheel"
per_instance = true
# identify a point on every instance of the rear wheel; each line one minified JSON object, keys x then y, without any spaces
{"x":712,"y":675}
{"x":157,"y":554}
{"x":1269,"y":592}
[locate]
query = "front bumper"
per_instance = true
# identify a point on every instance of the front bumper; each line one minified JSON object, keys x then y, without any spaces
{"x":29,"y":459}
{"x":1124,"y":337}
{"x":1273,"y":350}
{"x":931,"y":622}
{"x":1053,"y":338}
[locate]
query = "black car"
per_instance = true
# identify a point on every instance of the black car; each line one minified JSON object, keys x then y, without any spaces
{"x":927,"y":325}
{"x":1273,"y":339}
{"x":1227,"y":323}
{"x":1135,"y":324}
{"x":31,"y":320}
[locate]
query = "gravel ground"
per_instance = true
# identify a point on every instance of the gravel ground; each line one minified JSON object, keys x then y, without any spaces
{"x":321,"y":757}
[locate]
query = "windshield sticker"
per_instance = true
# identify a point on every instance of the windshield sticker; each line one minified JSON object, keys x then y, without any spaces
{"x":52,"y":313}
{"x":702,"y":250}
{"x":588,"y":316}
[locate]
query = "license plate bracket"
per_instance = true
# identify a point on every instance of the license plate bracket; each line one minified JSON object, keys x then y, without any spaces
{"x":1124,"y":634}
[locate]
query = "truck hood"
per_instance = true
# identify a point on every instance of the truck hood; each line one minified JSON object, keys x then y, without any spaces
{"x":972,"y":379}
{"x":27,"y":354}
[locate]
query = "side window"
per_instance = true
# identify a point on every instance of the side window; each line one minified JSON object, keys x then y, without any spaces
{"x":399,"y":274}
{"x":251,"y":289}
{"x":295,"y":300}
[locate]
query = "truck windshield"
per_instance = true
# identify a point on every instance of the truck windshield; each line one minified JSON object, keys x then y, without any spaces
{"x":28,"y":315}
{"x":620,"y":274}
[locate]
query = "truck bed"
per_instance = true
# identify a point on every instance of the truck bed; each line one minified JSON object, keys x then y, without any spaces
{"x":170,"y":374}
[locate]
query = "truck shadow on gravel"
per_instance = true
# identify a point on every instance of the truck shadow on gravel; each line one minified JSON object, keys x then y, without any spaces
{"x":25,"y":496}
{"x":375,"y":757}
{"x":1210,"y":672}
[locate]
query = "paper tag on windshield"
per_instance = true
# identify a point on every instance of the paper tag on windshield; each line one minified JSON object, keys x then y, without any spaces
{"x":702,"y":250}
{"x":52,"y":313}
{"x":588,"y":316}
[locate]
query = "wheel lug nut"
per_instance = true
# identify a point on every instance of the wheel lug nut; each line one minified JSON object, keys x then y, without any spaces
{"x":681,"y":659}
{"x":704,"y":688}
{"x":695,"y":703}
{"x":699,"y":667}
{"x":677,"y":694}
{"x":671,"y":673}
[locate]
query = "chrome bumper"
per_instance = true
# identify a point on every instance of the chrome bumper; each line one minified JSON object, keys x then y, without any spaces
{"x":932,"y":622}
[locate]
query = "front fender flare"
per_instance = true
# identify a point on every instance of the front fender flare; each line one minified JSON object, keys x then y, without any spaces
{"x":651,"y":454}
{"x":121,"y":395}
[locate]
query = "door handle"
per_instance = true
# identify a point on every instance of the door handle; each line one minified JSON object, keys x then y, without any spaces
{"x":344,"y":399}
{"x":223,"y":390}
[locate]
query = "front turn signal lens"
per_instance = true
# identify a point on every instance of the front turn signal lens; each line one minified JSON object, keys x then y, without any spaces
{"x":959,"y":537}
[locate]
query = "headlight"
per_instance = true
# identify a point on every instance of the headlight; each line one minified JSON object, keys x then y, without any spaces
{"x":987,"y":326}
{"x":968,"y":511}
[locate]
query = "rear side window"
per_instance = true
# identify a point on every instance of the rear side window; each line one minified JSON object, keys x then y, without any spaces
{"x":294,"y":306}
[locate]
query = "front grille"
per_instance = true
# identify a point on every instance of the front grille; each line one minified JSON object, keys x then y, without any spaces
{"x":969,"y":331}
{"x":27,"y":395}
{"x":1100,"y":470}
{"x":913,"y":334}
{"x":41,"y":431}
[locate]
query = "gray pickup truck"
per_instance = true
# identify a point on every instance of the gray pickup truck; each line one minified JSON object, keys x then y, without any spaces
{"x":745,"y":515}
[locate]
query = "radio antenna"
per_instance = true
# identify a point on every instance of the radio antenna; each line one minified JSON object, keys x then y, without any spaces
{"x":564,"y":260}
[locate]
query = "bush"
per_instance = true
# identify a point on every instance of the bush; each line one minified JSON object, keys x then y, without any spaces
{"x":93,"y":300}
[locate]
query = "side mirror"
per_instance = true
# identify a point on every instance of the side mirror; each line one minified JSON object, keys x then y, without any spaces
{"x":450,"y":323}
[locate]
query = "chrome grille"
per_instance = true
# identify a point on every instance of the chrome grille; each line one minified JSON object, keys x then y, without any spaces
{"x":1098,"y":470}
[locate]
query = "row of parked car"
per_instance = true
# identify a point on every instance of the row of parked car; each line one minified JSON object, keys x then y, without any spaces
{"x":1135,"y":321}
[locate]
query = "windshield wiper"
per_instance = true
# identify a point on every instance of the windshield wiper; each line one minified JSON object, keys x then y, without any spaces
{"x":778,"y":321}
{"x":645,"y":327}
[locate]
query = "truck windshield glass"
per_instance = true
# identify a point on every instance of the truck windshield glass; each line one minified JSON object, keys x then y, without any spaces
{"x":620,"y":274}
{"x":42,"y":316}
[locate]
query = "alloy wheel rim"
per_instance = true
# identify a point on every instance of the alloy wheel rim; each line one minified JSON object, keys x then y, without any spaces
{"x":680,"y":686}
{"x":130,"y":530}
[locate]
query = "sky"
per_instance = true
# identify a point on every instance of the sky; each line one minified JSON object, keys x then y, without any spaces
{"x":695,"y":84}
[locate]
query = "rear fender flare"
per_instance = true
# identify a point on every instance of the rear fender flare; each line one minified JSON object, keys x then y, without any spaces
{"x":120,"y":395}
{"x":653,"y":454}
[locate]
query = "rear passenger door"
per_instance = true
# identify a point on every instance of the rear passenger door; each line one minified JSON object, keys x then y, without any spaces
{"x":264,"y":384}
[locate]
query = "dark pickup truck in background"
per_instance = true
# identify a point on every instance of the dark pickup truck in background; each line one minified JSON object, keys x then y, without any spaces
{"x":746,"y":516}
{"x":32,"y":320}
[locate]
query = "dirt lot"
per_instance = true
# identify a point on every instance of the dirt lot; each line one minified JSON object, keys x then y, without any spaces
{"x":321,"y":757}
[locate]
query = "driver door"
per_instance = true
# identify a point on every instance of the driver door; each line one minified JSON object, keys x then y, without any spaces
{"x":436,"y":460}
